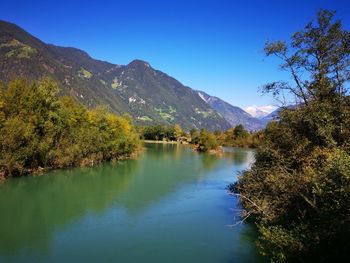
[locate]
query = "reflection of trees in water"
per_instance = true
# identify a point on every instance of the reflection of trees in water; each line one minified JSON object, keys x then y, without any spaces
{"x":239,"y":156}
{"x":175,"y":150}
{"x":209,"y":161}
{"x":246,"y":234}
{"x":163,"y":169}
{"x":35,"y":207}
{"x":249,"y":236}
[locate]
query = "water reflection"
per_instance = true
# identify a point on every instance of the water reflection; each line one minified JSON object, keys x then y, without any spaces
{"x":34,"y":207}
{"x":168,"y":182}
{"x":240,"y":156}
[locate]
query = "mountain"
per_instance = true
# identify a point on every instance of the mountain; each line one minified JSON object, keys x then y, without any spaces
{"x":275,"y":114}
{"x":148,"y":95}
{"x":270,"y":117}
{"x":260,"y":111}
{"x":234,"y":115}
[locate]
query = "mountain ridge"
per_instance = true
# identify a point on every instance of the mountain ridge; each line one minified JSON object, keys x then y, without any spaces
{"x":233,"y":114}
{"x":149,"y":95}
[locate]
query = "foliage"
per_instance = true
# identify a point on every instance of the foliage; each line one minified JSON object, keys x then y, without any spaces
{"x":299,"y":187}
{"x":194,"y":135}
{"x":178,"y":131}
{"x":164,"y":115}
{"x":202,"y":140}
{"x":316,"y":55}
{"x":239,"y":137}
{"x":22,"y":52}
{"x":158,"y":133}
{"x":85,"y":73}
{"x":206,"y":141}
{"x":38,"y":130}
{"x":234,"y":137}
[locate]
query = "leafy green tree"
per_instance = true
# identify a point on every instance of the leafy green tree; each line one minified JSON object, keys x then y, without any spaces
{"x":170,"y":133}
{"x":239,"y":137}
{"x":240,"y":132}
{"x":299,"y":187}
{"x":39,"y":130}
{"x":207,"y":141}
{"x":194,"y":134}
{"x":178,"y":131}
{"x":160,"y":132}
{"x":317,"y":59}
{"x":28,"y":130}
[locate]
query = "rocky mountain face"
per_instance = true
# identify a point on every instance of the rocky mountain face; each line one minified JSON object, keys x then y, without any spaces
{"x":148,"y":95}
{"x":22,"y":55}
{"x":155,"y":97}
{"x":234,"y":115}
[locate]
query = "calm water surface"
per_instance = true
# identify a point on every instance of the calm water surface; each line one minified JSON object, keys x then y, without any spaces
{"x":169,"y":205}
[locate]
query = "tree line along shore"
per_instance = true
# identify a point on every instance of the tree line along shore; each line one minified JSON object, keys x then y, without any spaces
{"x":41,"y":131}
{"x":298,"y":190}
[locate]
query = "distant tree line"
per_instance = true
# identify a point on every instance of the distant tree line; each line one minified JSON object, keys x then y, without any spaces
{"x":39,"y":130}
{"x":203,"y":139}
{"x":240,"y":137}
{"x":161,"y":132}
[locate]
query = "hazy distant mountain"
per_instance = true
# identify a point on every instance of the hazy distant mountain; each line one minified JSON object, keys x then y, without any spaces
{"x":272,"y":116}
{"x":275,"y":114}
{"x":260,"y":111}
{"x":148,"y":95}
{"x":234,"y":115}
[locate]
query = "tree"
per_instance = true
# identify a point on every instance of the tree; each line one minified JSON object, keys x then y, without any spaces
{"x":317,"y":59}
{"x":207,"y":141}
{"x":299,"y":187}
{"x":40,"y":130}
{"x":238,"y":137}
{"x":178,"y":131}
{"x":194,"y":134}
{"x":158,"y":132}
{"x":240,"y":132}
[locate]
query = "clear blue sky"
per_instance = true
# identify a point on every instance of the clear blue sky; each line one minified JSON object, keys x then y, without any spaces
{"x":215,"y":46}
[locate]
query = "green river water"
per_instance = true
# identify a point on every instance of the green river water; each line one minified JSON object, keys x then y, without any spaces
{"x":168,"y":205}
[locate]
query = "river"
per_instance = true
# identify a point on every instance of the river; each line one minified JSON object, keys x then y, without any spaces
{"x":168,"y":205}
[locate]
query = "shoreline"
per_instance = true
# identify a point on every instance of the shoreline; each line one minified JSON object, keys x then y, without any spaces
{"x":218,"y":151}
{"x":161,"y":142}
{"x":39,"y":171}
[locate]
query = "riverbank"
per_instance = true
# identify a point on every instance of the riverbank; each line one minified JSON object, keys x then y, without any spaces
{"x":161,"y":142}
{"x":218,"y":150}
{"x":4,"y":173}
{"x":50,"y":132}
{"x":128,"y":204}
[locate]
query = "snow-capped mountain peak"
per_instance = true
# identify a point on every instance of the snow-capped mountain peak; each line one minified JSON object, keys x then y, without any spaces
{"x":260,"y":111}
